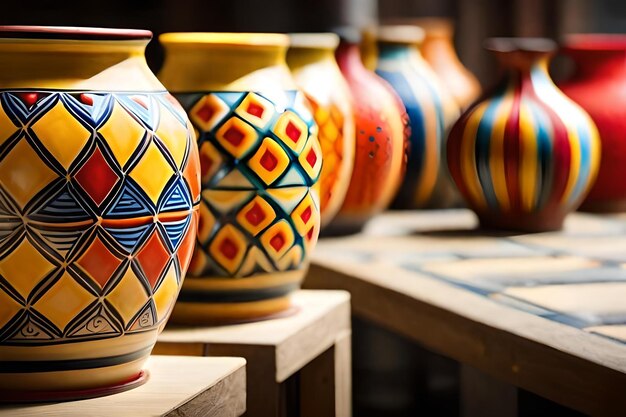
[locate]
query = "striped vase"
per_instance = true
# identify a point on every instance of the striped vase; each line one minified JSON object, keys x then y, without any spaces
{"x":431,"y":110}
{"x":525,"y":155}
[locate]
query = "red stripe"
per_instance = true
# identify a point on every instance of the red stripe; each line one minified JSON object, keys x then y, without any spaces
{"x":512,"y":148}
{"x":455,"y":138}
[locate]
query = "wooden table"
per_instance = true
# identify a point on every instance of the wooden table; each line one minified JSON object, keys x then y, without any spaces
{"x":312,"y":345}
{"x":544,"y":312}
{"x":178,"y":386}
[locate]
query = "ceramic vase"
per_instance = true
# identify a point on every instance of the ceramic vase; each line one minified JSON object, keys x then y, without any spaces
{"x":311,"y":59}
{"x":431,"y":109}
{"x":260,"y":161}
{"x":381,"y":140}
{"x":99,"y":189}
{"x":526,"y":155}
{"x":598,"y":85}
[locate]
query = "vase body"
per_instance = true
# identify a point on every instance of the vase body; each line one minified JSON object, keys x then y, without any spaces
{"x":599,"y":87}
{"x":99,"y":188}
{"x":311,"y":59}
{"x":526,"y":155}
{"x":431,"y":110}
{"x":380,"y":148}
{"x":260,"y":161}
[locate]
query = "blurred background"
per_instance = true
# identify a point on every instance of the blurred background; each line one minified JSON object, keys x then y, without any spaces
{"x":391,"y":377}
{"x":475,"y":19}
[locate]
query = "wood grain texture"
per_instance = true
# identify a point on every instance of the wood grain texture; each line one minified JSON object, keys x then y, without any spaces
{"x":449,"y":304}
{"x":178,"y":387}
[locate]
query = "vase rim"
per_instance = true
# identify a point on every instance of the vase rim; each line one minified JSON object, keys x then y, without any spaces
{"x":402,"y":34}
{"x":72,"y":33}
{"x":536,"y":45}
{"x":322,"y":40}
{"x":226,"y":39}
{"x":594,"y":42}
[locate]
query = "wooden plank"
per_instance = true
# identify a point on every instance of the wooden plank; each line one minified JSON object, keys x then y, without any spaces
{"x":295,"y":340}
{"x":178,"y":386}
{"x":559,"y":362}
{"x":616,"y":331}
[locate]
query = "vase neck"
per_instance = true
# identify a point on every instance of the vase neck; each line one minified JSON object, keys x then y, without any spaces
{"x":76,"y":64}
{"x":348,"y":55}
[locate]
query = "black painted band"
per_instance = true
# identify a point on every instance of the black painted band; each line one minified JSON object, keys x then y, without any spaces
{"x":236,"y":296}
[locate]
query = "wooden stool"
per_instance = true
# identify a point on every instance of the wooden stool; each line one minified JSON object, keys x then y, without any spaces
{"x":178,"y":386}
{"x":313,"y":344}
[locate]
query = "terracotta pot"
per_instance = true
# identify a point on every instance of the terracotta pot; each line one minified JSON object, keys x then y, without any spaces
{"x":525,"y":155}
{"x":311,"y":58}
{"x":431,"y":110}
{"x":599,"y":86}
{"x":260,"y":161}
{"x":381,"y":140}
{"x":99,"y":186}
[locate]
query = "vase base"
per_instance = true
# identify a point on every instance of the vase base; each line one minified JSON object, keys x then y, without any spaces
{"x":214,"y":314}
{"x":526,"y":222}
{"x":8,"y":396}
{"x":604,"y":206}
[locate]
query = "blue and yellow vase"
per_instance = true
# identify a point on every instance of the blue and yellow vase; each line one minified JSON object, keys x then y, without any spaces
{"x":99,"y":192}
{"x":431,"y":109}
{"x":525,"y":155}
{"x":260,"y":161}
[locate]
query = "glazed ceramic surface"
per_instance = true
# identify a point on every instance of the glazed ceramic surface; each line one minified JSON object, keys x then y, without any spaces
{"x":526,"y":155}
{"x":260,"y":161}
{"x":311,"y":58}
{"x":430,"y":107}
{"x":99,"y":185}
{"x":598,"y":85}
{"x":381,"y":131}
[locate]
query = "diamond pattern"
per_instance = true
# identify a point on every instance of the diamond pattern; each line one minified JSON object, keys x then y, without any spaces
{"x":278,"y":239}
{"x":256,"y":110}
{"x":64,"y":137}
{"x":292,"y":130}
{"x":311,"y":159}
{"x":123,"y":134}
{"x":23,"y":174}
{"x":256,"y":215}
{"x":127,"y":183}
{"x":269,"y":162}
{"x":210,"y":161}
{"x":228,"y":248}
{"x":208,"y":112}
{"x":237,"y":137}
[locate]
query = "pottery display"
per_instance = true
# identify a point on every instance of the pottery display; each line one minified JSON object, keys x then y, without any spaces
{"x":526,"y":155}
{"x":260,"y":161}
{"x":99,"y":187}
{"x":598,"y":85}
{"x":311,"y":59}
{"x":381,"y":140}
{"x":431,"y":109}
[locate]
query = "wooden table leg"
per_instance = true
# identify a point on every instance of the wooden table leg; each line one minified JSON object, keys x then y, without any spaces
{"x":326,"y":382}
{"x":484,"y":396}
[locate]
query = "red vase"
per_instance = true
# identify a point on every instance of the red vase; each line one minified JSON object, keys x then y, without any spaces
{"x":599,"y":86}
{"x":381,"y":141}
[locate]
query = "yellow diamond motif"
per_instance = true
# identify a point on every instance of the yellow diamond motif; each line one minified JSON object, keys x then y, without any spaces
{"x":208,"y":112}
{"x":237,"y":137}
{"x":206,"y":223}
{"x":311,"y":158}
{"x":23,"y":174}
{"x":256,"y":215}
{"x":256,"y":110}
{"x":269,"y":161}
{"x":228,"y":248}
{"x":64,"y":301}
{"x":8,"y":308}
{"x":128,"y":296}
{"x":61,"y":134}
{"x":210,"y":161}
{"x":152,"y":172}
{"x":165,"y":295}
{"x":173,"y":134}
{"x":25,"y":267}
{"x":292,"y":130}
{"x":123,"y":133}
{"x":278,"y":239}
{"x":7,"y":128}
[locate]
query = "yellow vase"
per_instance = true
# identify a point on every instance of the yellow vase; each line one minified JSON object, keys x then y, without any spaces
{"x":260,"y":161}
{"x":311,"y":58}
{"x":99,"y":187}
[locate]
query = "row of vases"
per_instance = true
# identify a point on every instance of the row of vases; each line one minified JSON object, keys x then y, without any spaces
{"x":110,"y":190}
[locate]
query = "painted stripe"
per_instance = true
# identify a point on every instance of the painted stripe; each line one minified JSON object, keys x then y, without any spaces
{"x":545,"y":164}
{"x":254,"y":294}
{"x":528,"y":159}
{"x":512,"y":146}
{"x":469,"y":171}
{"x":496,"y":159}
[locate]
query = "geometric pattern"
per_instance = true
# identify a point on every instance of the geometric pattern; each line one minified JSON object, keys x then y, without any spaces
{"x":98,"y":200}
{"x":260,"y":164}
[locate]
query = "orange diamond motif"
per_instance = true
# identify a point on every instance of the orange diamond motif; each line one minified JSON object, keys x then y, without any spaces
{"x":310,"y":158}
{"x":278,"y":239}
{"x":237,"y":137}
{"x":7,"y":128}
{"x":269,"y":162}
{"x":256,"y":110}
{"x":256,"y":215}
{"x":292,"y":131}
{"x":25,"y":267}
{"x":305,"y":215}
{"x":208,"y":112}
{"x":23,"y":174}
{"x":99,"y":263}
{"x":210,"y":161}
{"x":8,"y":308}
{"x":228,"y":248}
{"x":206,"y":222}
